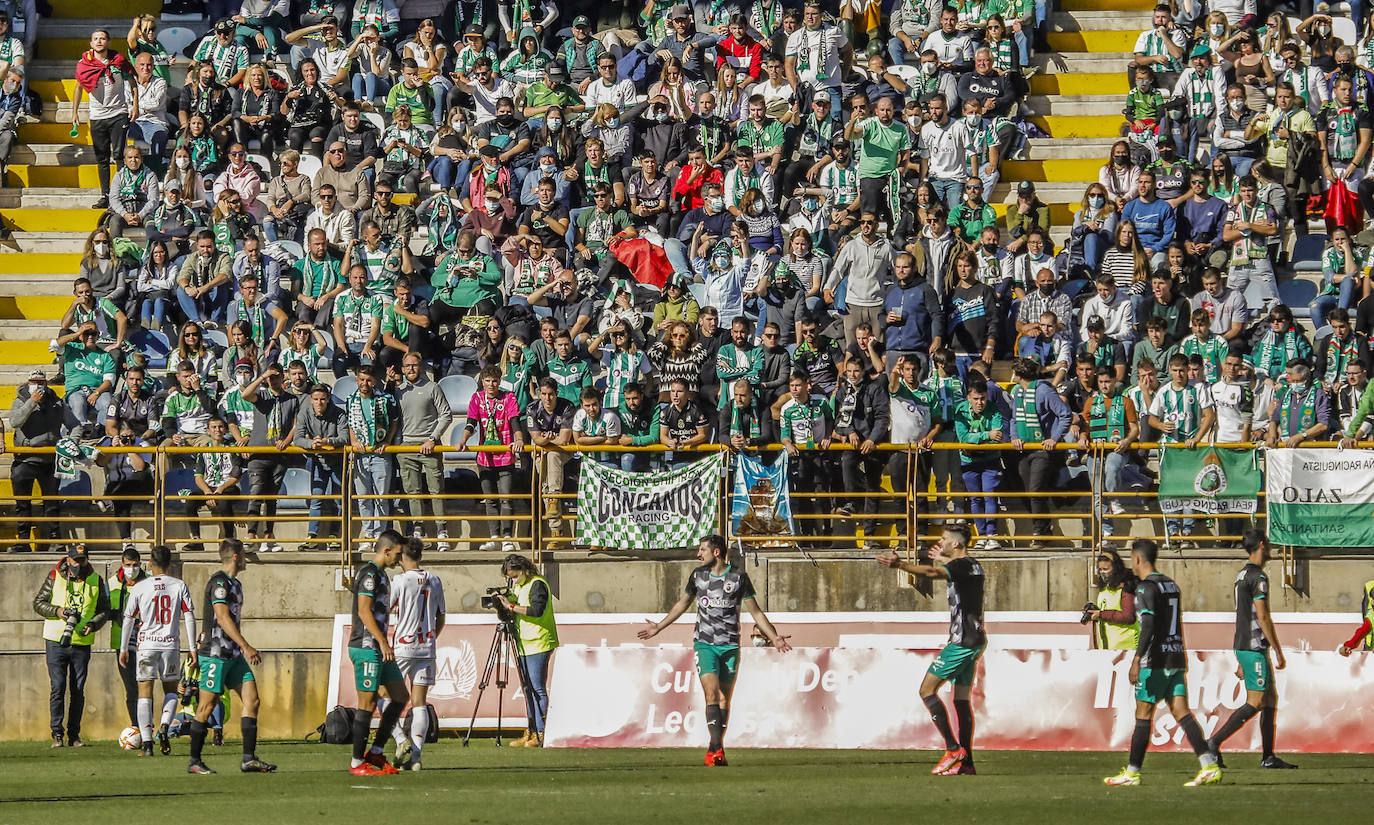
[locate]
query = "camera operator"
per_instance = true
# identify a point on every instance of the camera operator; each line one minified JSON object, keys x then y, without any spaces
{"x":536,"y":635}
{"x":74,"y":605}
{"x":1113,"y":617}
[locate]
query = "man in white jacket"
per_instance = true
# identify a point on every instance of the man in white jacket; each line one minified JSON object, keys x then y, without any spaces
{"x":1113,"y":306}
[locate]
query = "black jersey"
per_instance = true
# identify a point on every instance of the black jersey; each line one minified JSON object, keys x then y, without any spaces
{"x":1251,"y":586}
{"x":371,"y":581}
{"x":226,"y":590}
{"x":718,"y":602}
{"x":1159,"y":596}
{"x":965,"y":589}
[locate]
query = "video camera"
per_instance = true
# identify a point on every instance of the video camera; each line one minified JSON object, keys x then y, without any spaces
{"x":490,"y":602}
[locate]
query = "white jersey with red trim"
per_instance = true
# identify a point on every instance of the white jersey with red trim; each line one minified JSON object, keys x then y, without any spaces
{"x":417,"y":600}
{"x":159,"y":603}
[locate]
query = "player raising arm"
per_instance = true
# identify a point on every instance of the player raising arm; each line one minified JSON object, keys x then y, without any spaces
{"x":719,"y":591}
{"x":1159,"y":669}
{"x":225,"y":656}
{"x":417,"y":598}
{"x":958,"y":660}
{"x":155,"y":604}
{"x":1255,"y":637}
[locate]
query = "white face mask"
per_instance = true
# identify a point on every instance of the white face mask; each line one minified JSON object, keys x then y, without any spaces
{"x":1217,"y":29}
{"x":716,"y":204}
{"x":555,"y":123}
{"x":914,"y":121}
{"x":972,"y":120}
{"x":183,"y":161}
{"x":757,"y":208}
{"x":1324,"y":30}
{"x":130,"y":572}
{"x":101,"y":247}
{"x":548,"y":169}
{"x":1236,"y":105}
{"x":492,"y":205}
{"x":243,"y":380}
{"x":1095,"y":201}
{"x":928,"y":69}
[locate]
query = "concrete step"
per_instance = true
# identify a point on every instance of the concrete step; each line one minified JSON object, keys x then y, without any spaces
{"x":1098,"y":20}
{"x":62,"y":219}
{"x":1080,"y":83}
{"x":22,"y":330}
{"x":1070,"y":149}
{"x":50,"y":198}
{"x":107,"y":10}
{"x":1105,"y":61}
{"x":1065,"y":170}
{"x":1080,"y":126}
{"x":1106,"y":5}
{"x":43,"y":69}
{"x":55,"y":133}
{"x":52,"y":154}
{"x":40,"y":307}
{"x":84,"y":176}
{"x":69,"y":243}
{"x":26,"y":352}
{"x":1077,"y":105}
{"x":41,"y":263}
{"x":1101,"y":40}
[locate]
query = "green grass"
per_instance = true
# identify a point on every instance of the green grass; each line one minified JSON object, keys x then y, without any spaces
{"x":483,"y":784}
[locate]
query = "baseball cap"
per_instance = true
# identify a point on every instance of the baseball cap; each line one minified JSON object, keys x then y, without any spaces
{"x":581,"y":20}
{"x":1096,"y":323}
{"x":172,"y":184}
{"x":244,"y":364}
{"x":1025,"y":187}
{"x":225,"y":27}
{"x":821,"y":96}
{"x":1200,"y":50}
{"x":77,"y":552}
{"x":474,"y":29}
{"x":680,"y":10}
{"x":38,"y":375}
{"x":556,"y":72}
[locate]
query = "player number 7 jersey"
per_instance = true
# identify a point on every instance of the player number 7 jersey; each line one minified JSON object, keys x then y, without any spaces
{"x":417,"y":598}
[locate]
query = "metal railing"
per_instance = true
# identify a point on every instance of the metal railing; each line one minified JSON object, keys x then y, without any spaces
{"x":914,"y":501}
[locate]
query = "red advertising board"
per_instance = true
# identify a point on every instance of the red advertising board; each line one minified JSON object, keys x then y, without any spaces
{"x":852,"y":683}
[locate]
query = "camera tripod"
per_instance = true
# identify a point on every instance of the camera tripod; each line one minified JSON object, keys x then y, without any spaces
{"x":505,"y":647}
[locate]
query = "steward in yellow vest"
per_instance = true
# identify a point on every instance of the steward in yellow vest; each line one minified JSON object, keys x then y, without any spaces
{"x":1115,"y":623}
{"x":74,"y":605}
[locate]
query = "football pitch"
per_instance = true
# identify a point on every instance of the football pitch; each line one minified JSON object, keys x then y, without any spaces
{"x":484,"y":784}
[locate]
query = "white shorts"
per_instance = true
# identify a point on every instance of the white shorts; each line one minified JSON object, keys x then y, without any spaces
{"x":417,"y":671}
{"x":158,"y":665}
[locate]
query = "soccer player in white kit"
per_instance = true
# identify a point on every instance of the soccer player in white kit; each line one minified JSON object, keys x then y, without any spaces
{"x":157,"y":602}
{"x":417,"y":604}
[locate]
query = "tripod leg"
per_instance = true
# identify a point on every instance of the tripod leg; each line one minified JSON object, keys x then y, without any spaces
{"x":492,"y":654}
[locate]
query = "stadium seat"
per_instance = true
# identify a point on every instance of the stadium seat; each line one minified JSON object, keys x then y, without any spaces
{"x":309,"y":165}
{"x":344,"y":387}
{"x":153,"y":344}
{"x":376,"y":120}
{"x":264,"y":165}
{"x":698,"y":292}
{"x":175,"y":39}
{"x":1297,"y":294}
{"x":1344,"y":28}
{"x":292,"y":248}
{"x":71,"y":488}
{"x":216,"y":339}
{"x":296,"y":483}
{"x":458,"y":389}
{"x":1307,"y":253}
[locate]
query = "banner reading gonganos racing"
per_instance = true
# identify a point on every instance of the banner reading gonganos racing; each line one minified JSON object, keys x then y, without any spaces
{"x":648,"y":511}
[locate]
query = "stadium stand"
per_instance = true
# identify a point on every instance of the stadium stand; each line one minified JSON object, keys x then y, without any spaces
{"x":1053,"y":125}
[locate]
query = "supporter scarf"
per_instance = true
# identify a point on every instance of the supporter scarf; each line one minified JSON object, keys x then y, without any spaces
{"x":764,"y":16}
{"x":822,"y":49}
{"x":217,"y":467}
{"x":1274,"y":354}
{"x":1338,"y":354}
{"x":1342,"y":134}
{"x":1201,"y":102}
{"x":1253,"y":246}
{"x":443,"y":225}
{"x":369,"y":418}
{"x":744,"y":421}
{"x":1307,"y":404}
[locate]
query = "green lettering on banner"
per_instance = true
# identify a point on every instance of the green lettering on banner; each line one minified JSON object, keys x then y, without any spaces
{"x":1320,"y":498}
{"x":648,"y":511}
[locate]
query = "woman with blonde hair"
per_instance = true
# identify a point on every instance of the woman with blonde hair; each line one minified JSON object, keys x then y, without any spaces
{"x":101,"y":266}
{"x":677,"y":357}
{"x":428,"y":52}
{"x":614,"y":129}
{"x":1274,"y":35}
{"x":1094,"y":227}
{"x":731,"y":99}
{"x":192,"y":184}
{"x":289,"y":198}
{"x":256,"y":111}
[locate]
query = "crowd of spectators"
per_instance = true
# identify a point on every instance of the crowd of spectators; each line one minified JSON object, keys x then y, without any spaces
{"x":741,"y":223}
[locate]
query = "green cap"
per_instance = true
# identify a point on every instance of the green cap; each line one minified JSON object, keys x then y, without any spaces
{"x":1200,"y":50}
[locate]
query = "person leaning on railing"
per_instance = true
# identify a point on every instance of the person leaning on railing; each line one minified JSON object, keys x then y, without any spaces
{"x":1038,"y":415}
{"x":425,"y":415}
{"x":36,"y":419}
{"x":1301,"y":410}
{"x":321,"y":427}
{"x":549,"y":424}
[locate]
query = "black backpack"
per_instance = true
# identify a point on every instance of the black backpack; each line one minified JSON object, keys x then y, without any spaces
{"x":432,"y":735}
{"x":337,"y":728}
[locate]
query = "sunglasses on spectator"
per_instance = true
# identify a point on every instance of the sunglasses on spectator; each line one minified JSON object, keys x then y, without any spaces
{"x":191,"y":333}
{"x":236,"y":154}
{"x":324,"y":196}
{"x":770,"y":335}
{"x":336,"y":151}
{"x":868,"y":223}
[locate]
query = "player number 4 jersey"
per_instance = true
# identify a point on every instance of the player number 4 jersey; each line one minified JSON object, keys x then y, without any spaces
{"x":372,"y":581}
{"x":1158,"y":595}
{"x":158,"y":603}
{"x":718,"y":602}
{"x":417,"y":599}
{"x":1251,"y":586}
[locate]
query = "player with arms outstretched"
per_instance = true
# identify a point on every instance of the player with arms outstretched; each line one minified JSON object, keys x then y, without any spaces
{"x":957,"y":662}
{"x":719,"y":591}
{"x":1255,"y":636}
{"x":417,"y":602}
{"x":374,"y":661}
{"x":1160,"y":667}
{"x":158,"y":604}
{"x":225,"y":659}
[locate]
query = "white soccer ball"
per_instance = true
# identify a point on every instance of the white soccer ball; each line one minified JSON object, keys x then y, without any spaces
{"x":130,"y":739}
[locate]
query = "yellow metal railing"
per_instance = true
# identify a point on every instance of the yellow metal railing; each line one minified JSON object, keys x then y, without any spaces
{"x":909,"y":509}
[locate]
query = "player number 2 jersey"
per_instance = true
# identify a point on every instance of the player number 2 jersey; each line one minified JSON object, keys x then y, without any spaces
{"x":1158,"y":595}
{"x":1251,"y":586}
{"x":417,"y":599}
{"x":226,"y":590}
{"x":718,"y":601}
{"x":158,"y":603}
{"x":966,"y":584}
{"x":372,"y":581}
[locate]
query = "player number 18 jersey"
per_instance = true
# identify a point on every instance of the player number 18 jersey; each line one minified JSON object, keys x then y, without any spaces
{"x":158,"y":603}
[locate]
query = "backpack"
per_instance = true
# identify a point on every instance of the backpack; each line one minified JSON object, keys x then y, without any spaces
{"x":337,"y":728}
{"x":432,"y":735}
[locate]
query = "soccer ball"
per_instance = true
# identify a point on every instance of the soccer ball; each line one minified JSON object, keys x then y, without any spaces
{"x":130,"y":739}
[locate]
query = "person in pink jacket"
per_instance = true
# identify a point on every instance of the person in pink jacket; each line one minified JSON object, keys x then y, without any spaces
{"x":242,"y":177}
{"x":493,"y":414}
